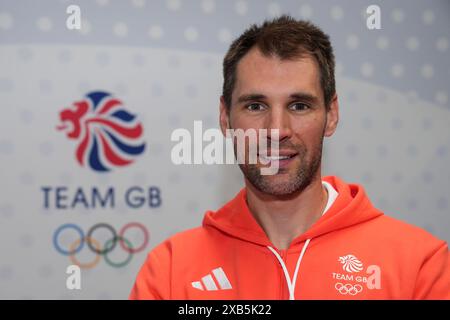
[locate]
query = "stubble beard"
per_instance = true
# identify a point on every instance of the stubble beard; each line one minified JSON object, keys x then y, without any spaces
{"x":287,"y":181}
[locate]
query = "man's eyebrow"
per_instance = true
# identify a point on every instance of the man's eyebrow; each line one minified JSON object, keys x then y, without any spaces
{"x":251,"y":97}
{"x":297,"y":95}
{"x":305,"y":97}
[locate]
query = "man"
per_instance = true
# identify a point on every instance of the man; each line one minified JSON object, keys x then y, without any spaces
{"x":292,"y":235}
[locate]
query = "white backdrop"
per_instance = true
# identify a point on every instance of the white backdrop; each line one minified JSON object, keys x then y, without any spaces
{"x":393,"y":135}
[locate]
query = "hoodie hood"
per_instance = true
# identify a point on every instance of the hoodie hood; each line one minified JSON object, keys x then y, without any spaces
{"x":352,"y":206}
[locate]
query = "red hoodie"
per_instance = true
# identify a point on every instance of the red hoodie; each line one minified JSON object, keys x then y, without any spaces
{"x":352,"y":252}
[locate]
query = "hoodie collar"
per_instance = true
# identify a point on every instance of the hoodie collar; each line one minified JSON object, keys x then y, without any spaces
{"x":352,"y":206}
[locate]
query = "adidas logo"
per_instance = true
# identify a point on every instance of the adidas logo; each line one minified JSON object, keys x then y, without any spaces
{"x":207,"y":282}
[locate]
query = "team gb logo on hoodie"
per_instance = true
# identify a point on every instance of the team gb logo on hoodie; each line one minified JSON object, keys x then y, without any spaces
{"x":351,"y":263}
{"x":354,"y":280}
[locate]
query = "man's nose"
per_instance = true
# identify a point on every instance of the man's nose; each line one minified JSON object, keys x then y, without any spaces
{"x":279,"y":119}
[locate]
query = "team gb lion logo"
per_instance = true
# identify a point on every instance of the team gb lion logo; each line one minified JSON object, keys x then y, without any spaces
{"x":107,"y":135}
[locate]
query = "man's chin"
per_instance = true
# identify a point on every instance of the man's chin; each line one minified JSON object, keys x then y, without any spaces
{"x":281,"y":184}
{"x":274,"y":189}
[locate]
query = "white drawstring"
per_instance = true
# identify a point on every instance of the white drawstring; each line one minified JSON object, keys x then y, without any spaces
{"x":298,"y":265}
{"x":332,"y":195}
{"x":291,"y":285}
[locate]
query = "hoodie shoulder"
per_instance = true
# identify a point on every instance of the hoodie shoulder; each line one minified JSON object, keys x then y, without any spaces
{"x":189,"y":236}
{"x":417,"y":249}
{"x":401,"y":231}
{"x":189,"y":240}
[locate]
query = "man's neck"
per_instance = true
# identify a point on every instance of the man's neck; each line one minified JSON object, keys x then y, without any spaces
{"x":285,"y":218}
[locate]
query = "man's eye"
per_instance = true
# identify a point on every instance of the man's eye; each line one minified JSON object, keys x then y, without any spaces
{"x":255,"y":107}
{"x":299,"y":107}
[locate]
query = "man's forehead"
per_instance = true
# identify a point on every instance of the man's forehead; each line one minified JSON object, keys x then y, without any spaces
{"x":258,"y":71}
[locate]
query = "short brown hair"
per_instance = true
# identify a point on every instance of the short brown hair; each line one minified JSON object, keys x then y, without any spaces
{"x":285,"y":38}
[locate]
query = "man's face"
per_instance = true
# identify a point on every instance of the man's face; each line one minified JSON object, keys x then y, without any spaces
{"x":286,"y":95}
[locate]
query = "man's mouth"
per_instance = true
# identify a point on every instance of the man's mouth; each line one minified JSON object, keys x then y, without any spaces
{"x":283,"y":157}
{"x":276,"y":158}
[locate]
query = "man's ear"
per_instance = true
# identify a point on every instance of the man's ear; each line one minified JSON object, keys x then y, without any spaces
{"x":224,"y":116}
{"x":332,"y":117}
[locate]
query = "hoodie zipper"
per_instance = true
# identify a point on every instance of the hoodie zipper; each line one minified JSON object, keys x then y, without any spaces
{"x":284,"y":292}
{"x":281,"y":257}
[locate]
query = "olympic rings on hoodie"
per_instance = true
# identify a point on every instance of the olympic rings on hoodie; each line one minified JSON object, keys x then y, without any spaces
{"x":348,"y":288}
{"x":95,"y":246}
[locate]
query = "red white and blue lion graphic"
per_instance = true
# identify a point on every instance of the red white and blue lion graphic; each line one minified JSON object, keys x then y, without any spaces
{"x":108,"y":136}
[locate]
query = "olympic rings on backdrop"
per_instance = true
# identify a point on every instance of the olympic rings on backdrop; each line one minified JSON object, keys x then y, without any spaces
{"x":126,"y":261}
{"x":95,"y":246}
{"x":68,"y":226}
{"x":86,"y":265}
{"x":114,"y":236}
{"x":144,"y":231}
